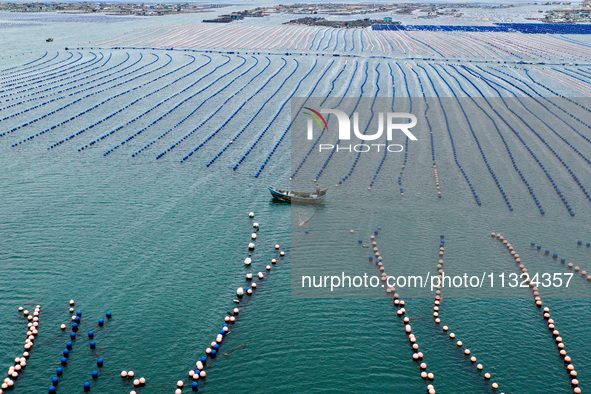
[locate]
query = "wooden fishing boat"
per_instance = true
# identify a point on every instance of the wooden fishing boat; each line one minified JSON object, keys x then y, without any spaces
{"x":299,"y":197}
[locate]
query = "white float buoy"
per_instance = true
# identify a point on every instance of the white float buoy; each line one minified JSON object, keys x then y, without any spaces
{"x":251,"y":245}
{"x":251,"y":214}
{"x":253,"y":235}
{"x":247,"y":261}
{"x":240,"y":292}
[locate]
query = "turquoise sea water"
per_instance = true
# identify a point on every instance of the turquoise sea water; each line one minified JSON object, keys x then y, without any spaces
{"x":161,"y":246}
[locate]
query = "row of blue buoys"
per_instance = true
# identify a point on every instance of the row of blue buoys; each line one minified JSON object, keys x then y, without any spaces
{"x":577,"y":118}
{"x":270,"y":123}
{"x":313,"y":146}
{"x":299,"y":166}
{"x":47,"y":79}
{"x":405,"y":159}
{"x":38,"y":71}
{"x":274,"y":149}
{"x":379,"y":167}
{"x":212,"y":135}
{"x":546,"y":313}
{"x":542,"y":166}
{"x":431,"y":136}
{"x":571,"y":172}
{"x":401,"y":311}
{"x":325,"y":164}
{"x":76,"y":321}
{"x":32,"y":107}
{"x":82,"y":98}
{"x":170,"y":98}
{"x":39,"y":94}
{"x":276,"y":146}
{"x":584,"y":274}
{"x":254,"y":117}
{"x":126,"y":106}
{"x":556,"y":93}
{"x":220,"y":107}
{"x":189,"y":98}
{"x":488,"y":166}
{"x":319,"y":41}
{"x":26,"y":66}
{"x":436,"y":315}
{"x":21,"y":362}
{"x":377,"y":84}
{"x":453,"y":145}
{"x":202,"y":103}
{"x":505,"y":143}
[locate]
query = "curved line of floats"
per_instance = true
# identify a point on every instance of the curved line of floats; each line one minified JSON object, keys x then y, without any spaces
{"x":169,"y":98}
{"x":436,"y":316}
{"x":291,"y":123}
{"x":105,"y":101}
{"x":41,"y":76}
{"x":431,"y":136}
{"x":545,"y":124}
{"x":43,"y":81}
{"x":207,"y":118}
{"x":379,"y":167}
{"x":573,"y":116}
{"x":505,"y":143}
{"x":122,"y":108}
{"x":406,"y":146}
{"x":78,"y":99}
{"x":256,"y":141}
{"x":267,"y":101}
{"x":299,"y":166}
{"x":21,"y":362}
{"x":542,"y":166}
{"x":76,"y":322}
{"x":54,"y":86}
{"x":570,"y":369}
{"x":484,"y":158}
{"x":162,"y":102}
{"x":25,"y":66}
{"x":377,"y":84}
{"x":333,"y":150}
{"x":584,"y":274}
{"x":203,"y":102}
{"x":212,"y":135}
{"x":199,"y":373}
{"x":70,"y":88}
{"x":453,"y":145}
{"x":400,"y":304}
{"x":35,"y":68}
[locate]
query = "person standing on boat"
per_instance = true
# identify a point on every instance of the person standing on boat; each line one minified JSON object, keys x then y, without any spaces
{"x":317,"y":189}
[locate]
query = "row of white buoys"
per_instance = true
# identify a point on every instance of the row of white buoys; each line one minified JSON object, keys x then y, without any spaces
{"x":570,"y":369}
{"x":437,"y":308}
{"x":213,"y":350}
{"x":21,"y":362}
{"x":400,"y":304}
